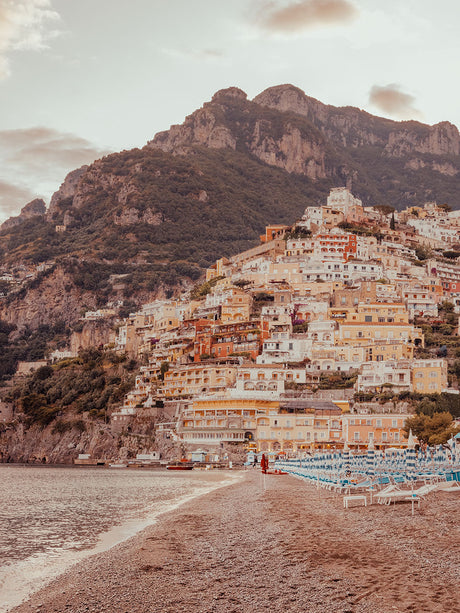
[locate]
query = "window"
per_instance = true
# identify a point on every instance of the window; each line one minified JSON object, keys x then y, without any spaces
{"x":356,"y":436}
{"x":368,"y":318}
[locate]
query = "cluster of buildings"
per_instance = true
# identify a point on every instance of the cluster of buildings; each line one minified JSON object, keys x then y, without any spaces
{"x":271,"y":349}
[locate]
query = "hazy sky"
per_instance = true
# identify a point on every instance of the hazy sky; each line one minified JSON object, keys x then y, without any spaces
{"x":79,"y":78}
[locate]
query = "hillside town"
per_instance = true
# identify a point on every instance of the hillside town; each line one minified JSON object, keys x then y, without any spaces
{"x":314,"y":339}
{"x":295,"y":345}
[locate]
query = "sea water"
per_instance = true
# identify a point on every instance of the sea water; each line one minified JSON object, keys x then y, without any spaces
{"x":52,"y":517}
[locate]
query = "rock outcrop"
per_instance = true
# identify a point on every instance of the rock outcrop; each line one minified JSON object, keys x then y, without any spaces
{"x":48,"y":300}
{"x":35,"y":208}
{"x":68,"y":189}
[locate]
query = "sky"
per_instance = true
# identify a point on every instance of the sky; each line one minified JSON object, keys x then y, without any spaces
{"x":82,"y":78}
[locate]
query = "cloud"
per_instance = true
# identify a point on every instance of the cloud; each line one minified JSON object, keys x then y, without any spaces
{"x":10,"y":195}
{"x":299,"y":16}
{"x":390,"y":99}
{"x":36,"y":148}
{"x":34,"y":161}
{"x":23,"y":25}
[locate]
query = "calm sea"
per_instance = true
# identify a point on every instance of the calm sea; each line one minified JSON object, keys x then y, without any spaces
{"x":52,"y":517}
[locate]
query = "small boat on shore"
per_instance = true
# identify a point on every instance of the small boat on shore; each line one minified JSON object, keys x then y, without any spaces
{"x":180,"y":465}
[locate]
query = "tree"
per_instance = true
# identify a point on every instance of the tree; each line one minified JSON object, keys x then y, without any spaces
{"x":423,"y":253}
{"x":392,"y":222}
{"x":432,"y":430}
{"x":164,"y":367}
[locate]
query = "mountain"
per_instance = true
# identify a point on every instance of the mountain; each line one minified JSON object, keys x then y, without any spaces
{"x":382,"y":161}
{"x":143,"y":223}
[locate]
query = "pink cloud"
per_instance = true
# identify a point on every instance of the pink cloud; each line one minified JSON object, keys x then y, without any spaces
{"x":299,"y":16}
{"x":390,"y":99}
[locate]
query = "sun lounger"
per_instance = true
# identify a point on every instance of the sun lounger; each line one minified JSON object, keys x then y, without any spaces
{"x":405,"y":494}
{"x":448,"y":486}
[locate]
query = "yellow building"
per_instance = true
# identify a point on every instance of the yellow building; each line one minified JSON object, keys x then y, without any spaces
{"x":236,"y":307}
{"x":378,"y":322}
{"x":378,"y":350}
{"x":301,"y":425}
{"x":429,"y":376}
{"x":385,"y":430}
{"x":210,"y":421}
{"x":218,"y":269}
{"x":196,"y":379}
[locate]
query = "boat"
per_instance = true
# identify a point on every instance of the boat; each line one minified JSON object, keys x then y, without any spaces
{"x":180,"y":465}
{"x":118,"y":466}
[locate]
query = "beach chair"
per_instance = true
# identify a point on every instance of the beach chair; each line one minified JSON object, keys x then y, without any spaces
{"x":448,"y":486}
{"x":400,"y":495}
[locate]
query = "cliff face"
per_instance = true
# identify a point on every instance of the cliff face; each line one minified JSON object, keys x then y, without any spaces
{"x":310,"y":146}
{"x":45,"y":446}
{"x":231,"y":121}
{"x":52,"y":298}
{"x":67,"y":190}
{"x":93,"y":334}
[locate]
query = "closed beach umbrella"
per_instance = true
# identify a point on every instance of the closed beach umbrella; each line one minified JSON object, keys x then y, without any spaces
{"x":346,"y":458}
{"x":410,"y":456}
{"x":370,"y":459}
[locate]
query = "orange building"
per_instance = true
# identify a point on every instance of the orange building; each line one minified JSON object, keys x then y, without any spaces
{"x":273,"y":232}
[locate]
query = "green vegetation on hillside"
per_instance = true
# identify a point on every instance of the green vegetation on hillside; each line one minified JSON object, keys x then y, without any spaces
{"x":242,"y":196}
{"x":29,"y":346}
{"x":93,"y":383}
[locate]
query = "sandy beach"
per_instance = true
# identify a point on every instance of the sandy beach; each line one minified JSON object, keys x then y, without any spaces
{"x":273,"y":543}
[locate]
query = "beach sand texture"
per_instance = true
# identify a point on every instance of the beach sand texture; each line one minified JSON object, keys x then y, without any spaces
{"x":273,"y":543}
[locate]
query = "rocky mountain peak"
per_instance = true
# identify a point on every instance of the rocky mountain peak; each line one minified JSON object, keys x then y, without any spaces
{"x":36,"y":207}
{"x":68,"y":189}
{"x":230,"y":92}
{"x":286,"y":98}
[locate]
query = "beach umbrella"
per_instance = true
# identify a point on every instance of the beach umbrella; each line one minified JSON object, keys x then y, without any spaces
{"x":410,"y":456}
{"x":346,"y":458}
{"x":454,"y":448}
{"x":370,"y":459}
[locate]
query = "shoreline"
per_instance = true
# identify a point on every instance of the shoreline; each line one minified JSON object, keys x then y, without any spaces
{"x":120,"y":533}
{"x":272,"y":543}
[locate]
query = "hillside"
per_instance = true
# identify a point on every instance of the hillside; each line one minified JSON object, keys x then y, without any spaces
{"x":144,"y":223}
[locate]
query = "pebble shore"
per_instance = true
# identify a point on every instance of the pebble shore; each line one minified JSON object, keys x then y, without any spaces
{"x":273,"y":543}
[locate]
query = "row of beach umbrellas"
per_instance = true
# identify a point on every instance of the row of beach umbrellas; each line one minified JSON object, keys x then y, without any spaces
{"x":406,"y":464}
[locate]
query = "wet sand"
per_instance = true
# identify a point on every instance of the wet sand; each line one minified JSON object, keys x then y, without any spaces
{"x":273,"y":544}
